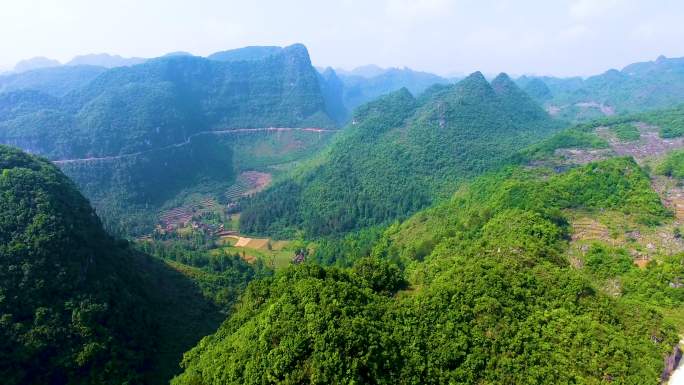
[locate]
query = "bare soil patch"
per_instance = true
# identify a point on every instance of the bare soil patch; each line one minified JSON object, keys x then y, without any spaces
{"x":649,"y":145}
{"x":583,"y":156}
{"x":242,"y":242}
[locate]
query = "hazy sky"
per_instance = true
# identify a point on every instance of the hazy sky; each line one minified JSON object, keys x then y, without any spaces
{"x":560,"y":37}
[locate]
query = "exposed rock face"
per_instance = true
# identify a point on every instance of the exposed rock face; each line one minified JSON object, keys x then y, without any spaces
{"x":671,"y":363}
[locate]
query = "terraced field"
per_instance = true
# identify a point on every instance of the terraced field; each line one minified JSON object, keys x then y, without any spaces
{"x":589,"y":229}
{"x":643,"y":242}
{"x":180,"y":216}
{"x":247,"y":183}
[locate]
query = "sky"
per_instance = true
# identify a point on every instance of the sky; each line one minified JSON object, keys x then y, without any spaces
{"x":448,"y":37}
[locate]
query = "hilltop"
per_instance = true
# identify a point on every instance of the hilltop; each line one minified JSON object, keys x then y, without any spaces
{"x":77,"y":305}
{"x":136,"y":137}
{"x":435,"y":141}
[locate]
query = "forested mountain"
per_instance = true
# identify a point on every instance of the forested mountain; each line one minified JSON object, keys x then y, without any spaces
{"x":370,"y":82}
{"x":399,"y":154}
{"x":77,"y":306}
{"x":134,"y":132}
{"x":35,"y":63}
{"x":54,"y":81}
{"x":477,"y":290}
{"x":637,"y":87}
{"x":458,"y":235}
{"x":165,"y":100}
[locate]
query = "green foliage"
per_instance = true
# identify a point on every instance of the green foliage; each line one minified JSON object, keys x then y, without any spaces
{"x":380,"y":275}
{"x":657,"y":284}
{"x":434,"y":142}
{"x":574,"y":137}
{"x":672,"y":165}
{"x":492,"y":301}
{"x":148,"y":126}
{"x":615,"y":184}
{"x":625,"y":131}
{"x":605,"y":262}
{"x":306,"y":325}
{"x":636,"y":88}
{"x":671,"y":122}
{"x":67,"y":295}
{"x":222,"y":277}
{"x":343,"y":251}
{"x":76,"y":306}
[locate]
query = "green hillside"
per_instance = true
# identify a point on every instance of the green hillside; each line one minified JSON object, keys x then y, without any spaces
{"x":130,"y":193}
{"x":480,"y":291}
{"x":399,"y":155}
{"x":134,"y":138}
{"x":164,"y":101}
{"x":637,"y":87}
{"x":79,"y":307}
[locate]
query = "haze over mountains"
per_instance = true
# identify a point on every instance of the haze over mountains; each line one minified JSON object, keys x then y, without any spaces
{"x":247,"y":218}
{"x":636,"y":87}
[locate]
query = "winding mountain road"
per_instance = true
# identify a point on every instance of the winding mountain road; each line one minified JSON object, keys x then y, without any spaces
{"x":189,"y":138}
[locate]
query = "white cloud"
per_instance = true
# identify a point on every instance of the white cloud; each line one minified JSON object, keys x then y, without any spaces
{"x":586,"y":9}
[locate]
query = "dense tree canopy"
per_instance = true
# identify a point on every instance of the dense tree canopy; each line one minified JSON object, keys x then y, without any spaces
{"x":400,"y":154}
{"x":490,"y":298}
{"x":79,"y":307}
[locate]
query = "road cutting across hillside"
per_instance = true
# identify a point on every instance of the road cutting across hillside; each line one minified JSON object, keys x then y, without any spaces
{"x":189,"y":139}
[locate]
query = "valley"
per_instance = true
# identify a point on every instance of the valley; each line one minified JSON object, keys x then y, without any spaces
{"x":247,"y":218}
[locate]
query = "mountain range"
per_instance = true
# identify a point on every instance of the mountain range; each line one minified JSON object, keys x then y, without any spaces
{"x":246,"y":218}
{"x":637,"y":87}
{"x":447,"y":134}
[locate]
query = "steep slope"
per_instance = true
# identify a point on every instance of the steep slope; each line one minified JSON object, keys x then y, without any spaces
{"x":165,"y":100}
{"x":538,"y":90}
{"x":333,"y":90}
{"x":76,"y":306}
{"x":448,"y":134}
{"x":487,"y":298}
{"x":172,"y":120}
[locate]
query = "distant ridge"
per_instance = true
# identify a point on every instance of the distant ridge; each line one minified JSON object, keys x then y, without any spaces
{"x":246,"y":53}
{"x":637,"y":87}
{"x":105,"y":60}
{"x":35,"y":63}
